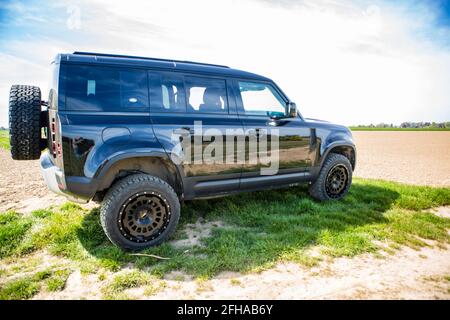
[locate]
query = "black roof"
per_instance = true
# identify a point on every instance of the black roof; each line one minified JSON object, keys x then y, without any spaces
{"x":114,"y":59}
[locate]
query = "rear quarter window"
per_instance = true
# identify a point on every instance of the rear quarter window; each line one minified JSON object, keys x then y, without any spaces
{"x":92,"y":88}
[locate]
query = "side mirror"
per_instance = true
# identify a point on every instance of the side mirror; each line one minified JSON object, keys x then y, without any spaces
{"x":292,"y":109}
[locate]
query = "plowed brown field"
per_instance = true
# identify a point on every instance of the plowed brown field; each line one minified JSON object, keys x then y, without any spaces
{"x":415,"y":157}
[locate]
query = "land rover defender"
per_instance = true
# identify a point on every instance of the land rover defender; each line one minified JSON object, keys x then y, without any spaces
{"x":114,"y":130}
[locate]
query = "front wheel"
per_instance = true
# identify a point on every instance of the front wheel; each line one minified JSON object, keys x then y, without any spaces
{"x":140,"y":211}
{"x":334,"y":179}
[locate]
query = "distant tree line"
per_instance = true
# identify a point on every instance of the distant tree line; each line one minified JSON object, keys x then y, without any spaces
{"x":424,"y":125}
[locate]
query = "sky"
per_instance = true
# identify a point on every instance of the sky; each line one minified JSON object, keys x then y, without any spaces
{"x":349,"y":62}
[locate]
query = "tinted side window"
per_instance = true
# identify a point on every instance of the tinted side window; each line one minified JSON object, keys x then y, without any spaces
{"x":260,"y":99}
{"x":166,"y":92}
{"x":206,"y":95}
{"x":106,"y":89}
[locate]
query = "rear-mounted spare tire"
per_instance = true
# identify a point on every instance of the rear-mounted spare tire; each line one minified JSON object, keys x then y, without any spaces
{"x":25,"y":122}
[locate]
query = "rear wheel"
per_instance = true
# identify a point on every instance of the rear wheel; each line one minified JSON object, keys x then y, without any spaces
{"x":334,"y":180}
{"x":140,"y":211}
{"x":25,"y":122}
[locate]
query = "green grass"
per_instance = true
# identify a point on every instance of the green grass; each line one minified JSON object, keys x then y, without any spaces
{"x":355,"y":128}
{"x":130,"y":279}
{"x":127,"y":280}
{"x":27,"y":286}
{"x":57,"y":280}
{"x":13,"y":228}
{"x":4,"y":139}
{"x":23,"y":288}
{"x":260,"y":229}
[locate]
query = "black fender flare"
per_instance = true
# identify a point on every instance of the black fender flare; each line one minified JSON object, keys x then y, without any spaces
{"x":339,"y":143}
{"x":106,"y":165}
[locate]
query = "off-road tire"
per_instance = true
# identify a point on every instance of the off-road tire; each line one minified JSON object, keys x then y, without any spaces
{"x":114,"y":203}
{"x":25,"y":122}
{"x":319,"y":190}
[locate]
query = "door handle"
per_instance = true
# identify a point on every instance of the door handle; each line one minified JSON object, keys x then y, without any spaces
{"x":184,"y":131}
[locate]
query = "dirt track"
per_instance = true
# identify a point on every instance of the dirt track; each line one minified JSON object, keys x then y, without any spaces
{"x":409,"y":274}
{"x":422,"y":276}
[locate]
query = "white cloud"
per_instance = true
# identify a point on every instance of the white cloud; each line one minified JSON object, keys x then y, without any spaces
{"x":19,"y":71}
{"x":338,"y":60}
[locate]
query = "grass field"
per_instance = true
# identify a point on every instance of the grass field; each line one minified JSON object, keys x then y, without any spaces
{"x":397,"y":129}
{"x":4,"y":139}
{"x":256,"y":231}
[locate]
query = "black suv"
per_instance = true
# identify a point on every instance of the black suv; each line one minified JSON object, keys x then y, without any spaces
{"x":116,"y":129}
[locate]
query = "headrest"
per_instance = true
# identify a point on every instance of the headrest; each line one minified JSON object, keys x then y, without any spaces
{"x":211,"y":97}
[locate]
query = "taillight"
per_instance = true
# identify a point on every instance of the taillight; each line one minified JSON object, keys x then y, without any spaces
{"x":58,"y":149}
{"x":55,"y":149}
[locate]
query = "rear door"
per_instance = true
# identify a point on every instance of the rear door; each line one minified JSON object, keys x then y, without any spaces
{"x":192,"y":116}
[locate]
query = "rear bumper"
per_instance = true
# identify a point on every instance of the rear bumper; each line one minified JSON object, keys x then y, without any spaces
{"x":54,"y":178}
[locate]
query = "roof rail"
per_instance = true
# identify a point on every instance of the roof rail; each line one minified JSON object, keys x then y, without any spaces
{"x":146,"y":58}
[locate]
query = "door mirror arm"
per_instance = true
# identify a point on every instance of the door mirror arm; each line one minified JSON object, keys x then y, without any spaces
{"x":291,"y":109}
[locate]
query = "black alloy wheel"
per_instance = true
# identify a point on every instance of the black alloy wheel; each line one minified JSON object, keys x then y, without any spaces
{"x":336,"y":181}
{"x":144,"y":216}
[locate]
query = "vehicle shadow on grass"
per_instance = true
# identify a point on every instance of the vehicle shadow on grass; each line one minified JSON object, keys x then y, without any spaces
{"x":256,"y":230}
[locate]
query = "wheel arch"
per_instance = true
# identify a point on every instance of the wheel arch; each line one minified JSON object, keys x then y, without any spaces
{"x":154,"y":163}
{"x":344,"y":148}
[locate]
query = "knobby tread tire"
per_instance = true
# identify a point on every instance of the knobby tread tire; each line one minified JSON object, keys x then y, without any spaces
{"x":317,"y":188}
{"x":25,"y":122}
{"x":120,"y":192}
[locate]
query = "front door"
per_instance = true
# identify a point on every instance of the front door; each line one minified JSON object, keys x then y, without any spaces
{"x":262,"y":109}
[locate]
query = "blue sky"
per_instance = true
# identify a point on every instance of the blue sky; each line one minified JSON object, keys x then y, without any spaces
{"x":350,"y":62}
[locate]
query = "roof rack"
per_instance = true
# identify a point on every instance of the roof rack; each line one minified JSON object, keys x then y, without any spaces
{"x":146,"y":58}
